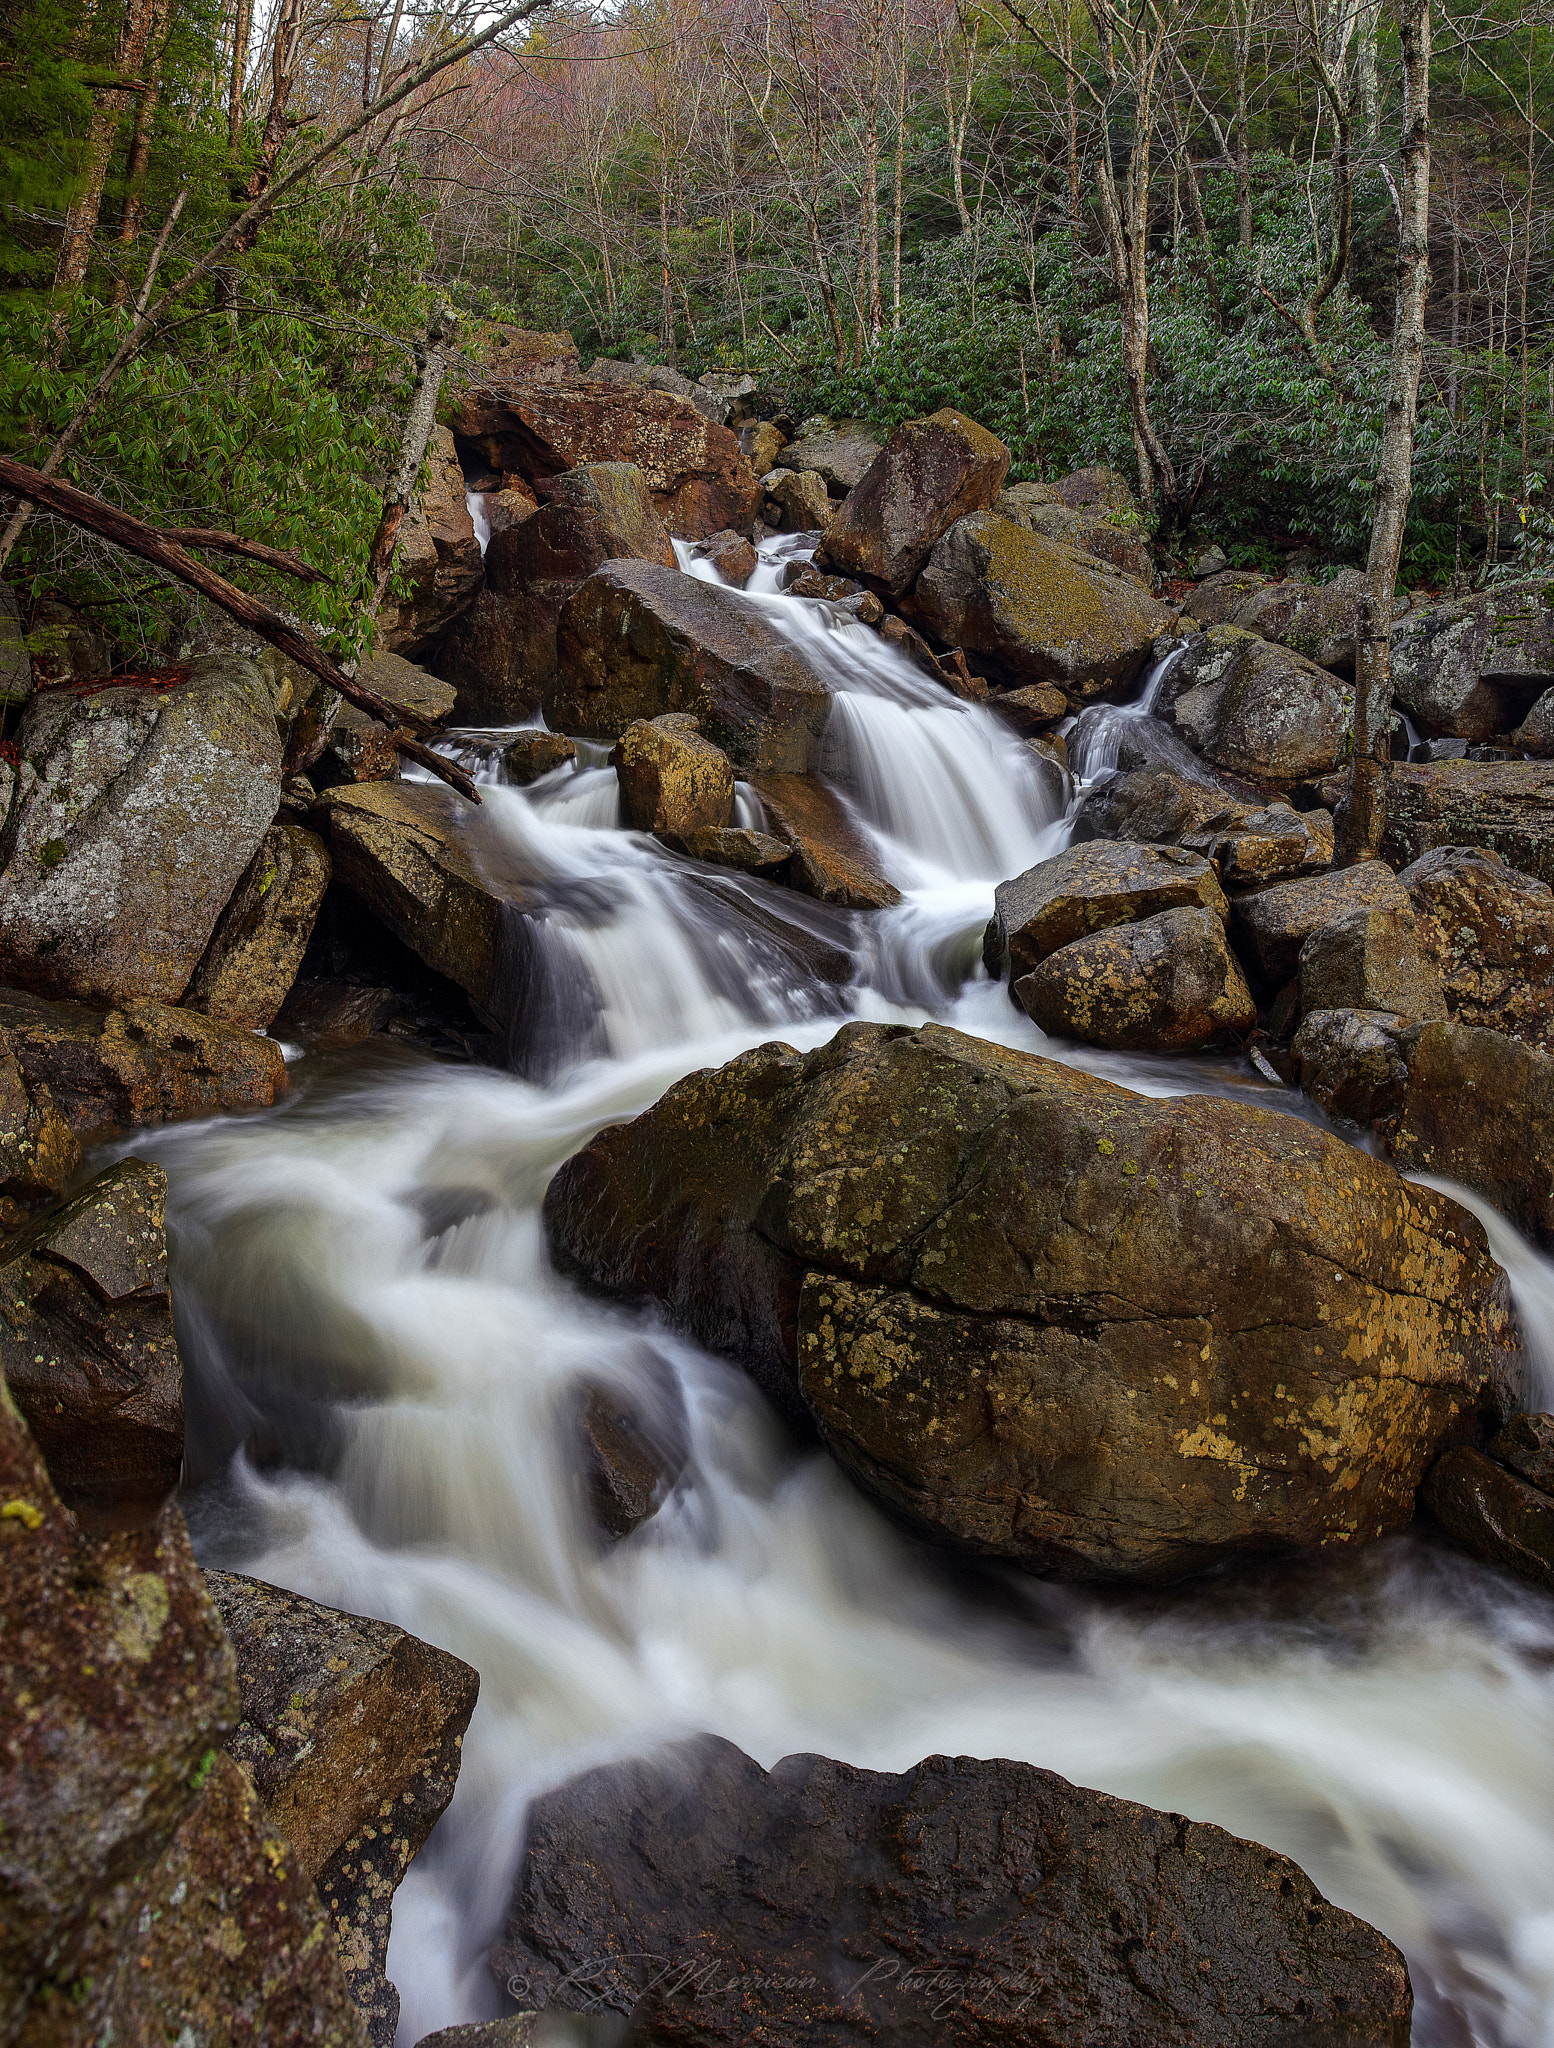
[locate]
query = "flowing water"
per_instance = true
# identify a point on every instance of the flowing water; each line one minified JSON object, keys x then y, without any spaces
{"x":383,"y":1372}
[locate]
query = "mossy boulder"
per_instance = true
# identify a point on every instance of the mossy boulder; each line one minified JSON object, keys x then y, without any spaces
{"x":930,"y":473}
{"x":1475,"y":668}
{"x":1488,"y":932}
{"x":1257,"y":711}
{"x":1164,"y":984}
{"x":672,"y":781}
{"x":1102,"y":1335}
{"x":1504,"y":806}
{"x":246,"y":972}
{"x":1034,"y":611}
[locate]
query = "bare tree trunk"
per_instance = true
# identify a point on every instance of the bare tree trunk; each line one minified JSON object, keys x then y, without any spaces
{"x":140,"y":145}
{"x":240,"y":28}
{"x":81,"y":221}
{"x":1241,"y":132}
{"x":896,"y":225}
{"x":1362,"y":815}
{"x":431,"y":364}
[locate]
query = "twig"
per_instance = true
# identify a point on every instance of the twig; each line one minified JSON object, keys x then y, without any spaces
{"x":162,"y":239}
{"x":80,"y":508}
{"x":251,"y":550}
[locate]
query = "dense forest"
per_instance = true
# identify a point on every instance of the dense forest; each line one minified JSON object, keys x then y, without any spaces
{"x":1163,"y":238}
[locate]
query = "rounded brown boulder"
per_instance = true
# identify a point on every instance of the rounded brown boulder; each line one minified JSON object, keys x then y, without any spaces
{"x":1103,"y":1335}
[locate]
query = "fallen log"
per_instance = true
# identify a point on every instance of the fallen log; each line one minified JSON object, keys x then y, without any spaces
{"x":137,"y":538}
{"x":216,"y":542}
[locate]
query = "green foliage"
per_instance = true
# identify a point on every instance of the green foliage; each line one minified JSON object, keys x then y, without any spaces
{"x":45,"y":107}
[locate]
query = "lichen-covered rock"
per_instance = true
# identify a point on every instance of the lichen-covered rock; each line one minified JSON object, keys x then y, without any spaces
{"x":1271,"y":925}
{"x":438,"y":552}
{"x":351,"y":1733}
{"x":637,"y":640}
{"x":699,"y":480}
{"x":147,"y":1063}
{"x":672,"y":781}
{"x":959,"y":1904}
{"x":1504,"y":806}
{"x":501,"y":656}
{"x":1034,"y":709}
{"x":1034,"y":611}
{"x":136,"y":813}
{"x":470,"y":399}
{"x":1086,"y":888}
{"x":397,"y":846}
{"x":1256,"y":710}
{"x":1353,"y":1062}
{"x":795,"y":501}
{"x":1316,"y":620}
{"x":1494,"y":1513}
{"x":1219,"y":597}
{"x":1370,"y":958}
{"x":1488,"y":931}
{"x":930,"y":473}
{"x":256,"y":949}
{"x":1105,"y":523}
{"x":1164,"y":984}
{"x":87,"y":1347}
{"x":1476,"y":667}
{"x":1049,"y":1320}
{"x":761,"y":442}
{"x":829,"y":858}
{"x":1250,"y":844}
{"x":838,"y":452}
{"x":533,"y":754}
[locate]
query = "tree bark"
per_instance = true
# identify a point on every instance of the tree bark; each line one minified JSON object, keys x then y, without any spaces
{"x":240,"y":27}
{"x":81,"y":509}
{"x":1362,"y":816}
{"x":81,"y":221}
{"x":140,"y":144}
{"x":431,"y":364}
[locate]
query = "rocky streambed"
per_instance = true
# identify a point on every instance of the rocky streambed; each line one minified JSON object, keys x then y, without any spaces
{"x":868,"y":1334}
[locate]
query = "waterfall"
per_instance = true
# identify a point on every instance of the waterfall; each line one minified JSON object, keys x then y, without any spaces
{"x":365,"y":1303}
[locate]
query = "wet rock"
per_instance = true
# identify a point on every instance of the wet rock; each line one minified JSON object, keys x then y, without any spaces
{"x":146,"y":1063}
{"x":1046,"y":1319}
{"x":1448,"y":1099}
{"x":1476,"y":667}
{"x":361,"y":749}
{"x":1526,"y":1445}
{"x":829,"y":858}
{"x":761,"y":442}
{"x":1255,"y":710}
{"x":1504,"y":806}
{"x":87,"y":1348}
{"x":516,"y":2031}
{"x":331,"y":1016}
{"x":735,"y":846}
{"x":637,"y":640}
{"x":350,"y":1735}
{"x":631,"y":1459}
{"x":1086,"y":888}
{"x":672,"y":781}
{"x":1370,"y":958}
{"x":1033,"y":709}
{"x":795,"y":501}
{"x":439,"y":554}
{"x":1251,"y":844}
{"x":1271,"y":925}
{"x":839,"y":452}
{"x":257,"y":947}
{"x":930,"y":473}
{"x":1112,"y":532}
{"x":136,"y":814}
{"x":1035,"y":612}
{"x":732,"y":556}
{"x":1165,"y":983}
{"x":534,"y":754}
{"x":397,"y":846}
{"x":1488,"y":931}
{"x":699,"y":481}
{"x":959,"y":1902}
{"x":501,"y":657}
{"x":1493,"y":1513}
{"x":135,"y":1892}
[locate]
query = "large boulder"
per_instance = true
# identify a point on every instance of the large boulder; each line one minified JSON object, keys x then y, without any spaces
{"x":1164,"y":984}
{"x":1255,"y":710}
{"x":147,"y":1063}
{"x":1251,"y":844}
{"x":140,"y":1898}
{"x":502,"y":655}
{"x":1101,"y":521}
{"x":1034,"y":611}
{"x":1447,"y":1099}
{"x":1086,"y":888}
{"x":1316,"y":620}
{"x":959,"y":1904}
{"x":1272,"y":925}
{"x":438,"y":553}
{"x":1495,"y":1513}
{"x":1047,"y":1319}
{"x":839,"y":452}
{"x":795,"y":501}
{"x":1370,"y":958}
{"x":398,"y":847}
{"x":1219,"y":597}
{"x":1506,"y":806}
{"x":247,"y":970}
{"x":499,"y":356}
{"x":1488,"y":932}
{"x":350,"y":1736}
{"x":87,"y":1347}
{"x":638,"y":639}
{"x":699,"y":480}
{"x":929,"y":474}
{"x":132,"y":816}
{"x":672,"y":781}
{"x":1476,"y":667}
{"x":830,"y":858}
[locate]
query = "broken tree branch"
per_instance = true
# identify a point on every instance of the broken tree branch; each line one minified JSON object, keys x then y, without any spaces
{"x":217,"y":542}
{"x":134,"y":535}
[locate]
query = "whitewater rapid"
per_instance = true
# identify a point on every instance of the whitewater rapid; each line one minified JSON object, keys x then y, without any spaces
{"x":365,"y":1301}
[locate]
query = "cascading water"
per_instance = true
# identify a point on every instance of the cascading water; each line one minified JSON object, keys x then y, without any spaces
{"x":366,"y":1304}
